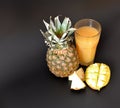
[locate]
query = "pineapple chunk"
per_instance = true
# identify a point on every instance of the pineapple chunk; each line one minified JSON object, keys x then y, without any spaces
{"x":70,"y":77}
{"x":80,"y":74}
{"x":77,"y":82}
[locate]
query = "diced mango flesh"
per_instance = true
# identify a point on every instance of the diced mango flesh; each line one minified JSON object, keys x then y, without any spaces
{"x":97,"y":75}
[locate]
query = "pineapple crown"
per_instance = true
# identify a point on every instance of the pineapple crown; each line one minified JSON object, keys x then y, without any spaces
{"x":58,"y":34}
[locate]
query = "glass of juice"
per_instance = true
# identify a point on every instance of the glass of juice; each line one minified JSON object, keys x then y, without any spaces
{"x":87,"y":36}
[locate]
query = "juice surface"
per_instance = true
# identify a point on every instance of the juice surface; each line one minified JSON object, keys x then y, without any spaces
{"x":87,"y":31}
{"x":86,"y":42}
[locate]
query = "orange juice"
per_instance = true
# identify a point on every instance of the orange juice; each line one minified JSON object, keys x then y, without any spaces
{"x":86,"y":39}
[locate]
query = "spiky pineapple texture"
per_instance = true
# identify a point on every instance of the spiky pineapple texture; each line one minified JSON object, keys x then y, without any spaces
{"x":58,"y":34}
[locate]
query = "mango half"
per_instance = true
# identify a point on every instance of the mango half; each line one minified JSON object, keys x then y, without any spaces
{"x":97,"y":75}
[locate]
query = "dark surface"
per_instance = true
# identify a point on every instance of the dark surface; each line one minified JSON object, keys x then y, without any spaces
{"x":25,"y":81}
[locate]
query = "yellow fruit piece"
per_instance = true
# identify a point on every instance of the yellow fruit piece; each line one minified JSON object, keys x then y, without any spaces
{"x":77,"y":83}
{"x":77,"y":80}
{"x":80,"y":73}
{"x":97,"y":75}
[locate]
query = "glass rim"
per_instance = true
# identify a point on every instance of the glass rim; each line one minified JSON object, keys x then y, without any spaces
{"x":87,"y":19}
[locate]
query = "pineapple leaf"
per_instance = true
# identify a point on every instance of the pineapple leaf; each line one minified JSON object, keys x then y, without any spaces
{"x":57,"y":23}
{"x":70,"y":31}
{"x":69,"y":24}
{"x":43,"y":33}
{"x":56,"y":38}
{"x":64,"y":35}
{"x":52,"y":24}
{"x":67,"y":33}
{"x":53,"y":35}
{"x":51,"y":31}
{"x":46,"y":25}
{"x":65,"y":39}
{"x":64,"y":25}
{"x":46,"y":35}
{"x":50,"y":38}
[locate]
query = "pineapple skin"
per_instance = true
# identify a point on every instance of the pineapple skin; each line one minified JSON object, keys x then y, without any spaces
{"x":62,"y":62}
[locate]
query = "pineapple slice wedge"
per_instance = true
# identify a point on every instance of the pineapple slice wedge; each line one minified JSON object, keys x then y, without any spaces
{"x":80,"y":73}
{"x":77,"y":80}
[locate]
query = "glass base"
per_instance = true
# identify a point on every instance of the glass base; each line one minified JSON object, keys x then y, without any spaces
{"x":86,"y":64}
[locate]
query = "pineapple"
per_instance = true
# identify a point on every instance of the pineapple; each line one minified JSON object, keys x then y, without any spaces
{"x":61,"y":57}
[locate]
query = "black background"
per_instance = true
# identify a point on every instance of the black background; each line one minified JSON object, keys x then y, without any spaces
{"x":25,"y":81}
